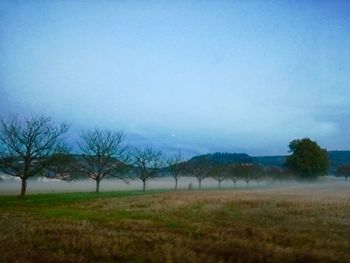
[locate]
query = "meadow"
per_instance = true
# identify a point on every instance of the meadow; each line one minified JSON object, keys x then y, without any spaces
{"x":301,"y":223}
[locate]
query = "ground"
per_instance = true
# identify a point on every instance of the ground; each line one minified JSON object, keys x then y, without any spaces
{"x":287,"y":224}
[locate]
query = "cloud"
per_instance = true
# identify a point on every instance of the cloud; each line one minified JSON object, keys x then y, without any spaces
{"x":217,"y":77}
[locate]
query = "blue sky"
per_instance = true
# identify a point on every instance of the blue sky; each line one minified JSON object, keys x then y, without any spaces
{"x":203,"y":76}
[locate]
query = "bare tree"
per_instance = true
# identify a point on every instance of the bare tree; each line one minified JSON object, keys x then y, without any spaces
{"x":344,"y":170}
{"x":274,"y":172}
{"x":30,"y":147}
{"x":219,"y":173}
{"x":234,"y":174}
{"x":103,"y":154}
{"x":200,"y":169}
{"x":258,"y":173}
{"x":175,"y":166}
{"x":250,"y":172}
{"x":244,"y":172}
{"x":147,"y":163}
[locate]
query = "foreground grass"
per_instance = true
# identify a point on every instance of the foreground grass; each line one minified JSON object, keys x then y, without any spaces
{"x":287,"y":225}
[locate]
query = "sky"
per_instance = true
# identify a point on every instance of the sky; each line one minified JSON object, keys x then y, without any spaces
{"x":200,"y":76}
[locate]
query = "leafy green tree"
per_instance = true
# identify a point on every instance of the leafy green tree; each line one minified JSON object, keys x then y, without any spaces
{"x":308,"y":159}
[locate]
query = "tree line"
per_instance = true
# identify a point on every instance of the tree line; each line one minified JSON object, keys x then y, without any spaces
{"x":36,"y":146}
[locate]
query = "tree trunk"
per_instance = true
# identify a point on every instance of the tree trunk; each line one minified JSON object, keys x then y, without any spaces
{"x":24,"y":187}
{"x":219,"y":184}
{"x":97,"y":186}
{"x":175,"y":184}
{"x":200,"y":184}
{"x":144,"y":185}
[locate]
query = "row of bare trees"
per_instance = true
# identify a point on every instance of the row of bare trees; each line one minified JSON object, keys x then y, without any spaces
{"x":36,"y":147}
{"x":246,"y":172}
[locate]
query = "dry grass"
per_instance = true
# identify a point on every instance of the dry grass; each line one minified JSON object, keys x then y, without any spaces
{"x":303,"y":224}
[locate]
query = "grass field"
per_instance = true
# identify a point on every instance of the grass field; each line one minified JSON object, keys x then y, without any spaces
{"x":288,"y":224}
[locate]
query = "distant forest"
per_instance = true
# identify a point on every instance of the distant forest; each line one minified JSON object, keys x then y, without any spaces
{"x":336,"y":159}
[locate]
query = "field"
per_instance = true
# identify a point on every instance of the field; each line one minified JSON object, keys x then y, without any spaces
{"x":308,"y":223}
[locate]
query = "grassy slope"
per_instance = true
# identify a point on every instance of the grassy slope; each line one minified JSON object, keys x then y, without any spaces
{"x":207,"y":226}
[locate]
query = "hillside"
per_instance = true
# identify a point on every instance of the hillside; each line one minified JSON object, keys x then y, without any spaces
{"x":270,"y":160}
{"x":336,"y":158}
{"x":220,"y":158}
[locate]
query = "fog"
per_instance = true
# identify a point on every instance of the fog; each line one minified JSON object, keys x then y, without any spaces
{"x":44,"y":185}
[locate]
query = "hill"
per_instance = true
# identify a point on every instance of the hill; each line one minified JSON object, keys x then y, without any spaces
{"x":336,"y":158}
{"x":220,"y":158}
{"x":278,"y":160}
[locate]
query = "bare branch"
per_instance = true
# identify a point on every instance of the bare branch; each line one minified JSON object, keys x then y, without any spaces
{"x":103,"y":154}
{"x":146,"y":163}
{"x":27,"y":146}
